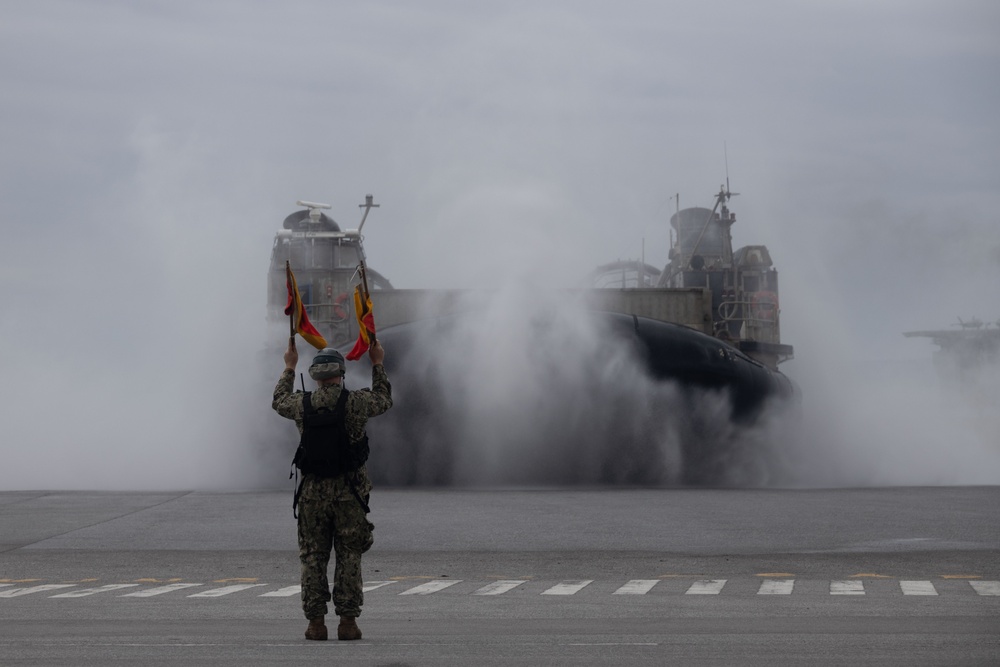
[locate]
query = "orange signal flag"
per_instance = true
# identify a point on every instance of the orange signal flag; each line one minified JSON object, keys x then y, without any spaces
{"x":366,"y":323}
{"x":297,"y":313}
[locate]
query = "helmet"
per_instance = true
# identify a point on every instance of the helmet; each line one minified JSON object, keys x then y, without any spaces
{"x":328,"y":363}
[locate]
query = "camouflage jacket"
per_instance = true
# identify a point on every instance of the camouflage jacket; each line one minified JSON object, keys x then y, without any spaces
{"x":361,"y":404}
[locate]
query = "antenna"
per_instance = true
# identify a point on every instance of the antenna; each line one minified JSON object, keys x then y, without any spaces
{"x":368,"y":205}
{"x":725,"y":153}
{"x":311,"y":204}
{"x":314,"y":209}
{"x":726,"y":193}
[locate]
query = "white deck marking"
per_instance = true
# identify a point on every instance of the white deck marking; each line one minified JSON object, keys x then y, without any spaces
{"x":500,"y":587}
{"x":769,"y":586}
{"x":982,"y":587}
{"x":372,"y":585}
{"x":84,"y":592}
{"x":430,"y":587}
{"x":776,"y":587}
{"x":849,"y":587}
{"x":568,"y":587}
{"x":159,"y":590}
{"x":18,"y":592}
{"x":637,"y":587}
{"x":917,"y":588}
{"x":285,"y":592}
{"x":706,"y":587}
{"x":225,"y":590}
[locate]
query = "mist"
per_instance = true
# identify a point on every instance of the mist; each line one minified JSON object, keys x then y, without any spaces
{"x":151,"y":152}
{"x":529,"y":386}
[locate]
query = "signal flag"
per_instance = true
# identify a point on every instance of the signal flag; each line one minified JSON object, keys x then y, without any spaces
{"x":366,"y":323}
{"x":297,"y":313}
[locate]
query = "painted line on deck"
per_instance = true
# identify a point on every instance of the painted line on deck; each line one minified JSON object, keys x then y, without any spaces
{"x":982,"y":587}
{"x":84,"y":592}
{"x":842,"y":587}
{"x":285,"y":592}
{"x":776,"y":587}
{"x":225,"y":590}
{"x":372,"y":585}
{"x":430,"y":587}
{"x":917,"y":588}
{"x":499,"y":587}
{"x":159,"y":590}
{"x":637,"y":587}
{"x":568,"y":587}
{"x":18,"y":592}
{"x":768,"y":586}
{"x":706,"y":587}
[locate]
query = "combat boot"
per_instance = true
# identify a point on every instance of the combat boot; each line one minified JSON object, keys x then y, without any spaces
{"x":348,"y":628}
{"x":316,"y":629}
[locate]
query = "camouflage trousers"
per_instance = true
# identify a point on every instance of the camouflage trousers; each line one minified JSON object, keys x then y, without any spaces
{"x":327,"y":523}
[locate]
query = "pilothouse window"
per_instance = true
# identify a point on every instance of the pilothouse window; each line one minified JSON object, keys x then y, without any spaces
{"x":320,"y":256}
{"x":345,"y":257}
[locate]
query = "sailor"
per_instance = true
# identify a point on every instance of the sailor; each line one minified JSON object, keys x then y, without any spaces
{"x":332,"y":501}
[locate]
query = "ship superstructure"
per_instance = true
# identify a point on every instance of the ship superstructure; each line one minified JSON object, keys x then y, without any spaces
{"x":325,"y":260}
{"x":740,"y":288}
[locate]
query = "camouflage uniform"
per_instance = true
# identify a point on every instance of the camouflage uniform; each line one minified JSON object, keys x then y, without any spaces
{"x":330,"y":516}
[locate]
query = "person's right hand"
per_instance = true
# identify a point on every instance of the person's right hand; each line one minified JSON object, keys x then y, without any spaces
{"x":376,"y":354}
{"x":291,"y":354}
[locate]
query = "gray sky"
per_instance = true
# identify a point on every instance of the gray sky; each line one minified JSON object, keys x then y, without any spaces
{"x":151,"y":149}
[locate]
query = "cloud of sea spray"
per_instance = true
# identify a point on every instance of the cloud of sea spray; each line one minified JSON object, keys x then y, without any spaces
{"x":550,"y":396}
{"x":528,"y":387}
{"x":890,"y":423}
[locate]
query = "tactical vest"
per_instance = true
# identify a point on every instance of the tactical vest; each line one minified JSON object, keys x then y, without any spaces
{"x":325,"y":449}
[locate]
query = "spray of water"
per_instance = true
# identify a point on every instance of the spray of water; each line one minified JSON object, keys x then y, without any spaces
{"x":529,"y":387}
{"x":896,"y":423}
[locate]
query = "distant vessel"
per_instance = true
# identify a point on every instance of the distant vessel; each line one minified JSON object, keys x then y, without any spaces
{"x":963,"y":351}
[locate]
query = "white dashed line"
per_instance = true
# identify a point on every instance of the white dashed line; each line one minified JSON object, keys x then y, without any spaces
{"x":706,"y":587}
{"x":907,"y":587}
{"x":225,"y":590}
{"x":917,"y":588}
{"x":18,"y":592}
{"x":849,"y":587}
{"x":637,"y":587}
{"x":500,"y":587}
{"x":429,"y":587}
{"x":285,"y":592}
{"x":568,"y":587}
{"x":159,"y":590}
{"x":776,"y":587}
{"x":84,"y":592}
{"x":372,"y":585}
{"x":982,"y":587}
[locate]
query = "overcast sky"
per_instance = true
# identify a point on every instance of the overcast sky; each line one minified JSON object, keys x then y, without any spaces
{"x":151,"y":149}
